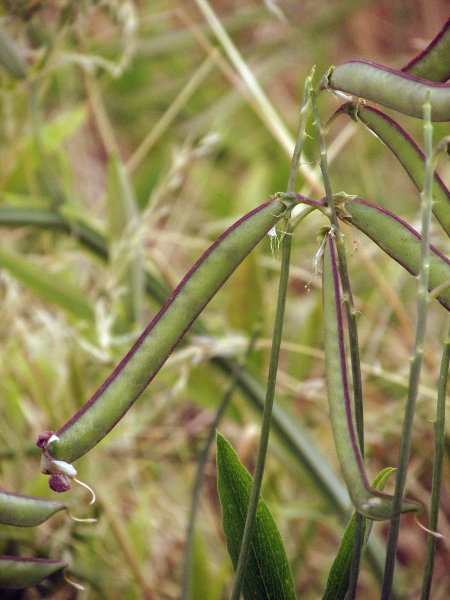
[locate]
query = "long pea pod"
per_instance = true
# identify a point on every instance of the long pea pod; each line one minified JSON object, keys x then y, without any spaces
{"x":433,"y":62}
{"x":368,"y":501}
{"x":19,"y":573}
{"x":393,"y":89}
{"x":283,"y":425}
{"x":400,"y":241}
{"x":286,"y":428}
{"x":406,"y":150}
{"x":26,"y":511}
{"x":143,"y":361}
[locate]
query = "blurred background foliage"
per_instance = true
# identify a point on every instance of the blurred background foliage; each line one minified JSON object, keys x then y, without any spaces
{"x":135,"y":120}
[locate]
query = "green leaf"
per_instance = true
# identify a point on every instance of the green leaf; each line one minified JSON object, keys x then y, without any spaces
{"x":268,"y":573}
{"x":339,"y":576}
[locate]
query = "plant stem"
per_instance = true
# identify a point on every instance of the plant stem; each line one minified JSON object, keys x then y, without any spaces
{"x":286,"y":245}
{"x":266,"y":419}
{"x":304,"y":113}
{"x":439,"y":447}
{"x":418,"y":351}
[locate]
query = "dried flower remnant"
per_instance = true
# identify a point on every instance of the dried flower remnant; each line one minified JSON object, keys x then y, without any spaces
{"x":61,"y":473}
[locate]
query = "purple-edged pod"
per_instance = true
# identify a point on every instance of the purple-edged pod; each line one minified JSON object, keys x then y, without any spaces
{"x":393,"y":89}
{"x":367,"y":501}
{"x":406,"y":150}
{"x":99,"y":415}
{"x":433,"y":63}
{"x":26,"y":511}
{"x":20,"y":573}
{"x":400,"y":241}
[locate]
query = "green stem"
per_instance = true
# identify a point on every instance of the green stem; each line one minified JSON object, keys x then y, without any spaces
{"x":286,"y":245}
{"x":439,"y":447}
{"x":266,"y":418}
{"x":418,"y":351}
{"x":304,"y":113}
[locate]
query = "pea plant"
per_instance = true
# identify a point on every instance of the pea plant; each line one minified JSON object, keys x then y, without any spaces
{"x":254,"y":544}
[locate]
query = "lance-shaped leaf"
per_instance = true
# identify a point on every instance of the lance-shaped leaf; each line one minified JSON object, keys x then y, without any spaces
{"x":268,"y":575}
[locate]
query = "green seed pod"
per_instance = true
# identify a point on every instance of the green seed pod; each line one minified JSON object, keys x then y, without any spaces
{"x":390,"y":88}
{"x":400,"y":241}
{"x":11,"y":58}
{"x":151,"y":350}
{"x":406,"y":150}
{"x":367,"y":501}
{"x":433,"y":62}
{"x":26,"y":511}
{"x":20,"y":573}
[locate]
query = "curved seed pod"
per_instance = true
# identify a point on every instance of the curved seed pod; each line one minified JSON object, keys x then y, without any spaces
{"x":26,"y":511}
{"x":400,"y":241}
{"x":406,"y":150}
{"x":393,"y":89}
{"x":19,"y":573}
{"x":143,"y":361}
{"x":367,"y":501}
{"x":11,"y":58}
{"x":433,"y":63}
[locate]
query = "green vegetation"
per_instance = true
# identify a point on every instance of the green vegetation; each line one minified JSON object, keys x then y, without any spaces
{"x":132,"y":136}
